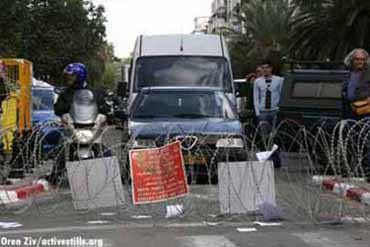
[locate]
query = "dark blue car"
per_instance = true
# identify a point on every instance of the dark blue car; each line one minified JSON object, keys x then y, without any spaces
{"x":46,"y":132}
{"x":203,"y":119}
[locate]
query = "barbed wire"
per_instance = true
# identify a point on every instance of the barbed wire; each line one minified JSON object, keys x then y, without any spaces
{"x":340,"y":151}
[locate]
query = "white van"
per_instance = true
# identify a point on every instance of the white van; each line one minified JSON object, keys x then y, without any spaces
{"x":181,"y":61}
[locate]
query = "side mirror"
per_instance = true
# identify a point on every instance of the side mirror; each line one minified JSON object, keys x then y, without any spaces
{"x":240,"y":88}
{"x":237,"y":87}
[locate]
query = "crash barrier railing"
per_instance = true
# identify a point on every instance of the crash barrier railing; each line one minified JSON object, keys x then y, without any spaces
{"x":317,"y":174}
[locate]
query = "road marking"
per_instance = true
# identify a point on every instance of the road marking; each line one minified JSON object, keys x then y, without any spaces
{"x":87,"y":228}
{"x":249,"y":229}
{"x":205,"y":241}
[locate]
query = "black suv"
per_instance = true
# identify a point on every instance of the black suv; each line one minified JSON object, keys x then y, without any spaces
{"x":311,"y":97}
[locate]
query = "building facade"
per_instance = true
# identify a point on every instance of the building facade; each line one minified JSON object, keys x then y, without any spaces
{"x":223,"y":16}
{"x":201,"y":24}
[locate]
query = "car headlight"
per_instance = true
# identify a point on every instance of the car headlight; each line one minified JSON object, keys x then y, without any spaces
{"x":230,"y":143}
{"x":144,"y":143}
{"x":84,"y":136}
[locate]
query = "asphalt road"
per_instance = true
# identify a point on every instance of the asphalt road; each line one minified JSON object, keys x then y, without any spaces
{"x":52,"y":217}
{"x":193,"y":236}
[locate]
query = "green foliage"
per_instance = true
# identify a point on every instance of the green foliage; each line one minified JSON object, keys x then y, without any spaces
{"x":330,"y":28}
{"x":53,"y":33}
{"x":299,"y":29}
{"x":267,"y":24}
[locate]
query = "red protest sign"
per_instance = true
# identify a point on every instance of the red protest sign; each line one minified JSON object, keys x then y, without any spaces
{"x":158,"y":174}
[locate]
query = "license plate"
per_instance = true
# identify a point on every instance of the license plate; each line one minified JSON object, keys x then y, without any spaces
{"x":194,"y":160}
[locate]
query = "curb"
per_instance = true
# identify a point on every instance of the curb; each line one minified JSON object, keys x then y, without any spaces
{"x":345,"y":190}
{"x":16,"y":194}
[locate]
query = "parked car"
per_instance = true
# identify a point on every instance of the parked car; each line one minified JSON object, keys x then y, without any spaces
{"x":203,"y":119}
{"x":46,"y":131}
{"x":311,"y":97}
{"x":311,"y":100}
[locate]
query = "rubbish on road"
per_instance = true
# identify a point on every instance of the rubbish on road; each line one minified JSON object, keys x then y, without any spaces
{"x":264,"y":156}
{"x":97,"y":222}
{"x":95,"y":183}
{"x":7,"y":225}
{"x":251,"y":229}
{"x":267,"y":223}
{"x":158,"y":174}
{"x":270,"y":211}
{"x":245,"y":185}
{"x":140,"y":217}
{"x":174,"y":210}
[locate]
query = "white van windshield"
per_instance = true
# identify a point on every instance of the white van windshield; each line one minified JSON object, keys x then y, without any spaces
{"x":184,"y":71}
{"x":183,"y":104}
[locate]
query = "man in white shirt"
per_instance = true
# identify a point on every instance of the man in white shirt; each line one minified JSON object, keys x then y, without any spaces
{"x":266,"y":99}
{"x":266,"y":95}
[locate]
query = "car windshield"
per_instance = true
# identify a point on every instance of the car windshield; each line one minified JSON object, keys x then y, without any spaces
{"x":42,"y":99}
{"x":182,"y":71}
{"x":176,"y":104}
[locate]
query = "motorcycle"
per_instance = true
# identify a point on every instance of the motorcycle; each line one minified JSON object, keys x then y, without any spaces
{"x":84,"y":127}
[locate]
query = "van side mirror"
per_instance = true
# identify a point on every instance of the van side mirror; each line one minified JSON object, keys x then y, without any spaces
{"x":238,"y":88}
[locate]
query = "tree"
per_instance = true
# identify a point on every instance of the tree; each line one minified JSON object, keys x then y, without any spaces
{"x":329,"y":28}
{"x":112,"y":72}
{"x":53,"y":33}
{"x":11,"y":27}
{"x":267,"y":23}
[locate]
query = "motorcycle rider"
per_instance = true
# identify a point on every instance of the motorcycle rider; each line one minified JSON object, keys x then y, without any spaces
{"x":75,"y":76}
